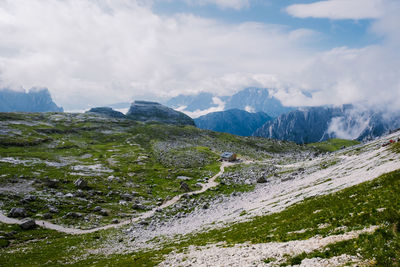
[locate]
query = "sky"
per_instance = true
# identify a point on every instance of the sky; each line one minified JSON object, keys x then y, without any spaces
{"x":99,"y":52}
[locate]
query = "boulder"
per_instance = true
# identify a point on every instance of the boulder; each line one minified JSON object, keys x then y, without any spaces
{"x":74,"y":215}
{"x":262,"y":180}
{"x":185,"y":187}
{"x":27,"y":224}
{"x":28,"y":198}
{"x":138,"y":206}
{"x":17,"y":213}
{"x":81,"y":184}
{"x":126,"y":197}
{"x":97,"y":209}
{"x":104,"y":212}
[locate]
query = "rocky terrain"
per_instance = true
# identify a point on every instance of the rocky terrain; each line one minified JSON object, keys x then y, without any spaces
{"x":91,"y":189}
{"x":233,"y":121}
{"x":36,"y":100}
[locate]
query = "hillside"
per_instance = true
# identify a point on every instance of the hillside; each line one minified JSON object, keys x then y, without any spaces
{"x":112,"y":191}
{"x":233,"y":121}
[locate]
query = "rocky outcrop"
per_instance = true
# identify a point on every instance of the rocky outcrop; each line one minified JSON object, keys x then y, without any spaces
{"x":106,"y":111}
{"x":36,"y":100}
{"x":233,"y":121}
{"x":155,"y":112}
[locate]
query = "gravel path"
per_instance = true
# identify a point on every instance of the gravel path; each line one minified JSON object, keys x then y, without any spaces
{"x":45,"y":224}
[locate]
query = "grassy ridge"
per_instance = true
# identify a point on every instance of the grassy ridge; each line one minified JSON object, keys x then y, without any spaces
{"x":334,"y":144}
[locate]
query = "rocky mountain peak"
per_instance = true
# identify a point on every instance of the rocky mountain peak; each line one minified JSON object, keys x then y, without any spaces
{"x":152,"y":111}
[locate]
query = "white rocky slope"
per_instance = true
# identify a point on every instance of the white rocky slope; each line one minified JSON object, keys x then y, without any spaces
{"x":341,"y":169}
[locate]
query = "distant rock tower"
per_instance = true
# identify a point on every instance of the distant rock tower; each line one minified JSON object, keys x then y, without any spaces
{"x":152,"y":111}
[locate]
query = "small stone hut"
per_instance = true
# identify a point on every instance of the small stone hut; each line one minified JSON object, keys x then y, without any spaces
{"x":228,"y":156}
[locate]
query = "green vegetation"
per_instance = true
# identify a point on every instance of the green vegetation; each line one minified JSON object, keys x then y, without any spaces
{"x":334,"y":144}
{"x":370,"y":203}
{"x":46,"y":153}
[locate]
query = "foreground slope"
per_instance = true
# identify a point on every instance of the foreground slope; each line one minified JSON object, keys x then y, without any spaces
{"x":282,"y":204}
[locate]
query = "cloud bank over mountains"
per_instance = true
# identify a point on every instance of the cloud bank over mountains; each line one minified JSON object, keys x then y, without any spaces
{"x":103,"y":51}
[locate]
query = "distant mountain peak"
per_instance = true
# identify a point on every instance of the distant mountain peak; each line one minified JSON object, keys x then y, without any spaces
{"x":35,"y":100}
{"x":251,"y":99}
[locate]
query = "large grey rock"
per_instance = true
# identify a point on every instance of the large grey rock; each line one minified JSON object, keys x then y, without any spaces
{"x":28,"y":224}
{"x":17,"y":213}
{"x":81,"y":184}
{"x":152,"y":111}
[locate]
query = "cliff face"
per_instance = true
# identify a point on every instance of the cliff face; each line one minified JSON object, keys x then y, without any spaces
{"x":152,"y":111}
{"x":36,"y":100}
{"x":321,"y":123}
{"x":233,"y":121}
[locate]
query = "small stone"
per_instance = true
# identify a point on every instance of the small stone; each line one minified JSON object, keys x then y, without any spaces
{"x":115,"y":221}
{"x":69,"y":195}
{"x":27,"y":224}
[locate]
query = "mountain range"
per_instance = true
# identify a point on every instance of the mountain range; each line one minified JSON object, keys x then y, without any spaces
{"x":234,"y":121}
{"x":314,"y":124}
{"x":250,"y":99}
{"x":36,"y":100}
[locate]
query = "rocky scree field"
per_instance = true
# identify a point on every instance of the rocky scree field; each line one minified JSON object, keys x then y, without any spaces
{"x":283,"y":204}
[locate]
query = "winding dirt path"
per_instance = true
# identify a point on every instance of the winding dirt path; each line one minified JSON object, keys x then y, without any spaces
{"x":45,"y":224}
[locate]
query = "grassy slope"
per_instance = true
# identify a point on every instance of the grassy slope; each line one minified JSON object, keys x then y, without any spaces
{"x":355,"y":207}
{"x":370,"y":203}
{"x":334,"y":144}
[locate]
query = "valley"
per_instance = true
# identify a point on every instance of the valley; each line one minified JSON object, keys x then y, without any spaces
{"x":111,"y":190}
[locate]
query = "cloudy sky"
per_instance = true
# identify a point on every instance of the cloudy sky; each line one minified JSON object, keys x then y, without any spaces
{"x":98,"y":52}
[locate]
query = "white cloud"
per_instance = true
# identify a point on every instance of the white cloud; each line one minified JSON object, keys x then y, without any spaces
{"x":197,"y":113}
{"x":103,"y":51}
{"x":97,"y":52}
{"x":235,"y":4}
{"x":339,"y":9}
